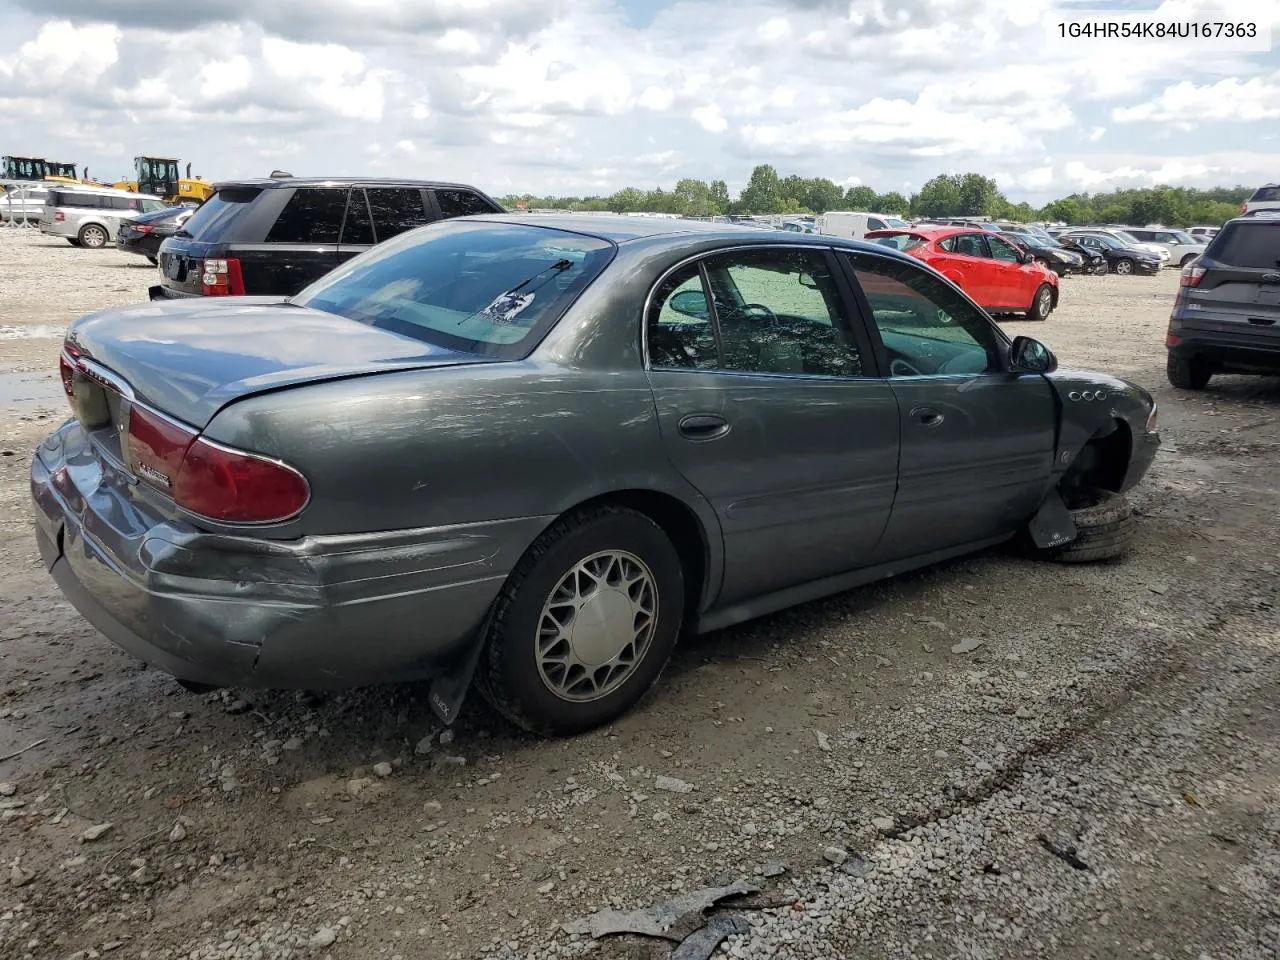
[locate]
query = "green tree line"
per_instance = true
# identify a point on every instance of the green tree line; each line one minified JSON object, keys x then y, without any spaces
{"x":946,"y":195}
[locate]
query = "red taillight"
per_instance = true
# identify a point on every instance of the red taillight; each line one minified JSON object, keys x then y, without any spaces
{"x":67,"y":371}
{"x":224,"y":484}
{"x":221,"y":278}
{"x":208,"y":479}
{"x":1191,"y":275}
{"x":154,"y":447}
{"x":1244,"y":208}
{"x":1172,"y":340}
{"x":143,"y":227}
{"x":59,"y":216}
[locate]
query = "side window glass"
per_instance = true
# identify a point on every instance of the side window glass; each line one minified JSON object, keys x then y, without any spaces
{"x":395,"y":210}
{"x":680,"y":331}
{"x":927,"y":328}
{"x":779,"y":311}
{"x":461,"y":203}
{"x":1001,"y":250}
{"x":948,"y":244}
{"x":312,"y":215}
{"x":969,"y":245}
{"x":874,"y":224}
{"x":357,"y":228}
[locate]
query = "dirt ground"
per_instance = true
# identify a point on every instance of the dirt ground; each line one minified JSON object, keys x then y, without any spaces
{"x":1125,"y":711}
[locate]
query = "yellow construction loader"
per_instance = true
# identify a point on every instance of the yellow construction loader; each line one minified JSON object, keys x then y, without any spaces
{"x":159,"y":177}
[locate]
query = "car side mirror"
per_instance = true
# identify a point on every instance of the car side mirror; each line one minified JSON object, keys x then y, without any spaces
{"x":1029,"y":355}
{"x":809,"y":280}
{"x":691,"y":303}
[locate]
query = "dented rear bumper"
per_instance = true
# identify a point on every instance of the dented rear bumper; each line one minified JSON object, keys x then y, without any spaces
{"x":230,"y":610}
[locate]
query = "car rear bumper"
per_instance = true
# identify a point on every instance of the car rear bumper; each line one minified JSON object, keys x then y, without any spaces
{"x":161,"y":292}
{"x":1244,"y":351}
{"x":322,"y":612}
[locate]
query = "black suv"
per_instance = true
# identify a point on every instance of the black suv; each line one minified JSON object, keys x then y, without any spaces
{"x":273,"y":237}
{"x":1226,"y":318}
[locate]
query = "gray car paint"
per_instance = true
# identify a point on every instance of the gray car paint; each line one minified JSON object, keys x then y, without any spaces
{"x":431,"y":472}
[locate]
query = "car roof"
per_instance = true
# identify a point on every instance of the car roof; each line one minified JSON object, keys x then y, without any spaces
{"x":270,"y":182}
{"x":623,"y":229}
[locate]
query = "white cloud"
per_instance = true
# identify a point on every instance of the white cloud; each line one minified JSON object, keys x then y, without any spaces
{"x":1234,"y":99}
{"x":571,"y":97}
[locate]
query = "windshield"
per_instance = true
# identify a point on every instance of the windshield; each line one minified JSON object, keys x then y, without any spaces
{"x":894,"y":221}
{"x":1126,"y":237}
{"x":1186,"y":238}
{"x":899,"y":241}
{"x":480,"y":287}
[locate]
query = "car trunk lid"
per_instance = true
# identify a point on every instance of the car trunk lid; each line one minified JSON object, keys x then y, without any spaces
{"x":189,"y":359}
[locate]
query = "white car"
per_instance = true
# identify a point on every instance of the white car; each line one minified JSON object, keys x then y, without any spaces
{"x":854,"y":226}
{"x":1129,"y":240}
{"x":1266,"y":197}
{"x":1183,"y":247}
{"x":1203,"y":234}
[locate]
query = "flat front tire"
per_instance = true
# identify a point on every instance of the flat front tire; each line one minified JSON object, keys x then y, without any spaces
{"x":585,"y":623}
{"x":1104,"y":529}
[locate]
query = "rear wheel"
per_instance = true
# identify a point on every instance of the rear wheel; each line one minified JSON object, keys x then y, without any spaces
{"x":585,"y":623}
{"x":1188,"y":373}
{"x":1041,"y":303}
{"x":1124,"y":267}
{"x":1104,"y":528}
{"x":1187,"y":259}
{"x":93,"y":236}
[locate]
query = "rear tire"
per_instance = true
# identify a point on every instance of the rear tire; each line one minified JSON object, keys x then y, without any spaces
{"x":93,"y":236}
{"x":1123,"y":267}
{"x":585,"y":623}
{"x":1104,"y":529}
{"x":1188,"y":373}
{"x":1187,"y":259}
{"x":1041,"y":303}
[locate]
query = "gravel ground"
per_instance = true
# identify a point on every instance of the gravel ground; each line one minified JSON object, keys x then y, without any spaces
{"x":1097,"y":776}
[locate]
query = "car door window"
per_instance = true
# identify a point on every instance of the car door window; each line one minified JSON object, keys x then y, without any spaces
{"x":779,"y":311}
{"x":461,"y":203}
{"x":680,"y":331}
{"x":312,"y":215}
{"x":928,"y":329}
{"x":395,"y":210}
{"x":966,"y":245}
{"x":875,"y":223}
{"x":357,"y":228}
{"x":1002,"y":250}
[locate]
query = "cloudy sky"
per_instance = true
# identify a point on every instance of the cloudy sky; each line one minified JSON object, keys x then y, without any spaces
{"x":587,"y":96}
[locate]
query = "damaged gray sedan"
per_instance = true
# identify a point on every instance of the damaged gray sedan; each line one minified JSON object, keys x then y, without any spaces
{"x":531,"y":451}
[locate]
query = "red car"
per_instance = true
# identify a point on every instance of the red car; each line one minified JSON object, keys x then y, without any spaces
{"x":990,"y":269}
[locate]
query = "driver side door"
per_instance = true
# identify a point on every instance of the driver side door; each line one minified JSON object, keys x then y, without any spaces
{"x":977,"y":438}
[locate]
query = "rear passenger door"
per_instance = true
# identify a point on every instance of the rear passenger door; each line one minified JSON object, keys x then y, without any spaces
{"x":769,"y":405}
{"x":303,"y":242}
{"x":969,"y":265}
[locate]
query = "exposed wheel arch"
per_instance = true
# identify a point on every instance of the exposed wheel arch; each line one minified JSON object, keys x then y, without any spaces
{"x":1103,"y":461}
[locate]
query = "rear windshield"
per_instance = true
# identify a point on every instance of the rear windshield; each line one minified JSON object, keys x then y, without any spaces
{"x":1265,"y":195}
{"x":481,"y":287}
{"x":899,"y":241}
{"x":211,"y":220}
{"x":1255,"y":245}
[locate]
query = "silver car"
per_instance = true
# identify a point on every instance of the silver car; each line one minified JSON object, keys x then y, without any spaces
{"x":89,"y":216}
{"x":1183,"y":247}
{"x":21,"y":204}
